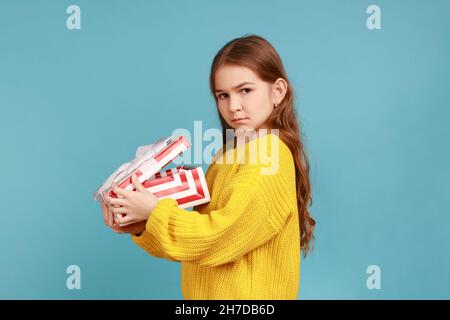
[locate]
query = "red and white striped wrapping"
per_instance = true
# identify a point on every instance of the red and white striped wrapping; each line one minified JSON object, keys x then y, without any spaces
{"x":187,"y":185}
{"x":148,"y":161}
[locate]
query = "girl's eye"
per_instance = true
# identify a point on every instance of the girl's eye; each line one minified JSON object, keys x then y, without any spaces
{"x":246,"y":90}
{"x":222,"y":96}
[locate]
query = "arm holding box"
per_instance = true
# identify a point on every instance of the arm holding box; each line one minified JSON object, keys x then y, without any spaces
{"x":256,"y":209}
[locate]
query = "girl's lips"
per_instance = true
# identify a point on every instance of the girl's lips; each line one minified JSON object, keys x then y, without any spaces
{"x":240,"y":120}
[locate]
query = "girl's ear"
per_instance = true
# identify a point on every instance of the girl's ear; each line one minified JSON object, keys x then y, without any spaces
{"x":279,"y":89}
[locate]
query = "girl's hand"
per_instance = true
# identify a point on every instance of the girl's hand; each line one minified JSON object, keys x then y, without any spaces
{"x":135,"y":228}
{"x":107,"y":215}
{"x":137,"y":205}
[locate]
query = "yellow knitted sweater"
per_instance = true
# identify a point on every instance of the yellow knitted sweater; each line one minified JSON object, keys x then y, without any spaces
{"x":244,"y":243}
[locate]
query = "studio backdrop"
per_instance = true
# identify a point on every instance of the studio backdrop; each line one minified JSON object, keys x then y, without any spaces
{"x":84,"y":83}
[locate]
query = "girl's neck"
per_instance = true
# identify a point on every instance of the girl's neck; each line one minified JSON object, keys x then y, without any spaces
{"x":242,"y":138}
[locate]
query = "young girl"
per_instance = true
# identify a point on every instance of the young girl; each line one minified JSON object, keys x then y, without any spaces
{"x":245,"y":243}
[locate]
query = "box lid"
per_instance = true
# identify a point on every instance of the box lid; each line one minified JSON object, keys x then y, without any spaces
{"x":149,"y":159}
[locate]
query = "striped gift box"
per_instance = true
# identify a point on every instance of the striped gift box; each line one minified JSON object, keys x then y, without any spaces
{"x":147,"y":162}
{"x":185,"y":184}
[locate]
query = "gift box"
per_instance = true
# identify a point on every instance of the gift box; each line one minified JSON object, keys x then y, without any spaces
{"x":185,"y":184}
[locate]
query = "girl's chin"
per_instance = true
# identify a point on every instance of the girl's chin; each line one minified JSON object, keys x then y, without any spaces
{"x":244,"y":127}
{"x":240,"y":126}
{"x":244,"y":130}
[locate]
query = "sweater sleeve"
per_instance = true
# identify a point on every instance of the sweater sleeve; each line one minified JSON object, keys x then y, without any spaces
{"x":256,"y":210}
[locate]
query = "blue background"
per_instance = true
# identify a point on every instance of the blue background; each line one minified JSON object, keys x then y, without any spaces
{"x":374,"y":106}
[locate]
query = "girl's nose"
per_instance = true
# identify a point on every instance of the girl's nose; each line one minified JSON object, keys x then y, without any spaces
{"x":235,"y":108}
{"x":235,"y":105}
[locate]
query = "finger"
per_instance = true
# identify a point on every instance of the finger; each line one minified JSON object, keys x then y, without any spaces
{"x":121,"y":192}
{"x":137,"y":184}
{"x":120,"y":210}
{"x":121,"y":220}
{"x":105,"y":213}
{"x":117,"y":201}
{"x":110,"y":218}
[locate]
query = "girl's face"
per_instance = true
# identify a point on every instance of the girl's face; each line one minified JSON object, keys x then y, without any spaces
{"x":244,"y":100}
